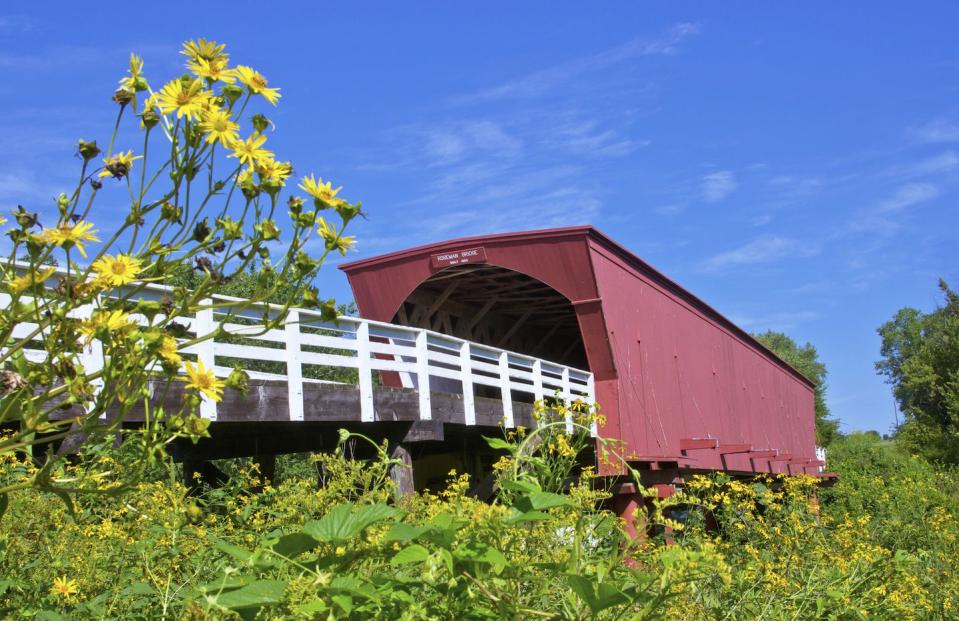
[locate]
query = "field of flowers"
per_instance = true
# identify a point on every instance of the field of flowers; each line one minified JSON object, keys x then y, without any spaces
{"x":880,"y":544}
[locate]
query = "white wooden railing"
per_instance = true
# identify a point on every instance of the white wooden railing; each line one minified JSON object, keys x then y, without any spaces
{"x":425,"y":360}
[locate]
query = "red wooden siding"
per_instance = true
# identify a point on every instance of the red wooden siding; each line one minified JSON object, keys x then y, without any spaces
{"x":669,"y":369}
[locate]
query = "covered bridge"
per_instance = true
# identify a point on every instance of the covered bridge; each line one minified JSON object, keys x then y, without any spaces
{"x":680,"y":384}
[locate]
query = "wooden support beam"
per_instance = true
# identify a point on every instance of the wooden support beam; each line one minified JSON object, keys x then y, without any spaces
{"x":450,"y":288}
{"x":516,"y":326}
{"x":731,"y":449}
{"x":545,"y":339}
{"x":475,"y":319}
{"x":402,"y":473}
{"x":763,"y":454}
{"x":698,"y":444}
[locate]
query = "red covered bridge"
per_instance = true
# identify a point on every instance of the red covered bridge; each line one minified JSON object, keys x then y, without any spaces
{"x":681,"y":385}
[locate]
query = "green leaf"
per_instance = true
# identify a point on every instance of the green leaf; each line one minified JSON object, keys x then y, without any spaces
{"x":256,"y":594}
{"x":235,"y":551}
{"x":4,"y":503}
{"x":294,"y":544}
{"x":518,"y":517}
{"x":498,"y":443}
{"x":548,"y":500}
{"x":515,"y":485}
{"x":401,"y":531}
{"x":343,"y":523}
{"x":597,"y":595}
{"x":312,"y":607}
{"x":481,"y":553}
{"x":345,"y":602}
{"x":410,"y":554}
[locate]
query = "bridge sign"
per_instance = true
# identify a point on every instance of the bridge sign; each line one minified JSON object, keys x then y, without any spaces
{"x":458,"y":257}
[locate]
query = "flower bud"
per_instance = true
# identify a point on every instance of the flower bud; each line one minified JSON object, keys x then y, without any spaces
{"x":267,"y":230}
{"x":149,"y":118}
{"x":260,"y":123}
{"x":295,"y":203}
{"x":231,"y":93}
{"x":238,"y":380}
{"x":88,"y":150}
{"x":170,"y":212}
{"x":122,"y":96}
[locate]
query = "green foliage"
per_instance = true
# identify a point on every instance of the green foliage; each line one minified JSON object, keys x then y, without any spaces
{"x":805,"y":359}
{"x":883,"y":545}
{"x":920,"y":358}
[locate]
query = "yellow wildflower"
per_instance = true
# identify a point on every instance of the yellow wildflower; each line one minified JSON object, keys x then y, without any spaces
{"x":219,"y":126}
{"x":30,"y":280}
{"x":119,"y":165}
{"x":64,"y":587}
{"x":68,"y":236}
{"x":250,"y":151}
{"x":323,"y":192}
{"x":214,"y":69}
{"x":118,"y":270}
{"x":113,"y":321}
{"x":3,"y":220}
{"x":203,"y":380}
{"x":333,"y":239}
{"x":207,"y":50}
{"x":168,"y":350}
{"x":186,"y":99}
{"x":136,"y":69}
{"x":273,"y":171}
{"x":255,"y":81}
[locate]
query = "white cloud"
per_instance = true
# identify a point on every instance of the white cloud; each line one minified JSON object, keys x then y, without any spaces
{"x":761,"y":250}
{"x":941,"y":130}
{"x":943,"y":163}
{"x":718,"y":185}
{"x":907,"y":196}
{"x":779,"y":322}
{"x":540,"y":82}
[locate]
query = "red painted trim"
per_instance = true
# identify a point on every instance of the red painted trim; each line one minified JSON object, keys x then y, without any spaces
{"x":696,"y":444}
{"x":732,"y":449}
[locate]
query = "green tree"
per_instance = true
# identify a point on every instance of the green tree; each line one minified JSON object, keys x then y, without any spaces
{"x":920,"y":359}
{"x":805,"y":359}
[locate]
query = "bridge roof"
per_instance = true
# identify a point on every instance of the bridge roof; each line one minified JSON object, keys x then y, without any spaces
{"x":406,"y":259}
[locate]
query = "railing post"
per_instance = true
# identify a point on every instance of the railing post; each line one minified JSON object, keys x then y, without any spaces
{"x":466,"y":369}
{"x":591,"y":401}
{"x":206,"y":353}
{"x":365,"y":371}
{"x":423,"y":374}
{"x":567,"y":399}
{"x":505,"y":390}
{"x":294,"y":366}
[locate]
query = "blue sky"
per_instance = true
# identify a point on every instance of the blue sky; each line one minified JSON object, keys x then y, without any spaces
{"x":796,"y":166}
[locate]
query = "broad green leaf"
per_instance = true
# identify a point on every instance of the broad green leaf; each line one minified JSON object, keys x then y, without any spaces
{"x":401,"y":531}
{"x":343,"y":522}
{"x":235,"y":551}
{"x":597,"y":595}
{"x":518,"y":517}
{"x":515,"y":485}
{"x":294,"y":544}
{"x":548,"y":500}
{"x":481,"y":553}
{"x":410,"y":554}
{"x":345,"y":602}
{"x":498,"y":443}
{"x":256,"y":594}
